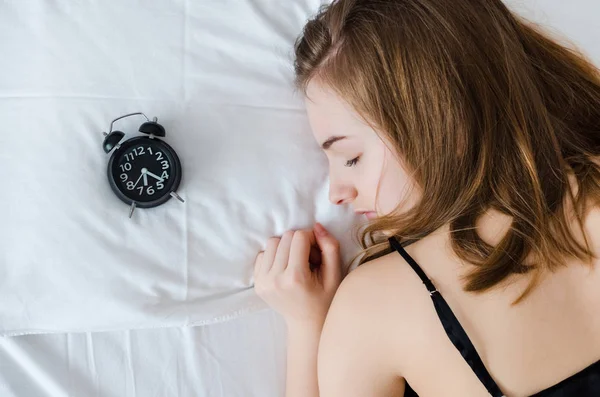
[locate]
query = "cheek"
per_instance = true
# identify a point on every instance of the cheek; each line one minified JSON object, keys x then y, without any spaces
{"x":394,"y":186}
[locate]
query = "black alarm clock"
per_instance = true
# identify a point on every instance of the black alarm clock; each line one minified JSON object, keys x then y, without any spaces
{"x":143,"y":171}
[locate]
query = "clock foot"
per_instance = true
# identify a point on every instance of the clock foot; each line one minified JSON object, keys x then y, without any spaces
{"x":173,"y":194}
{"x":131,"y":209}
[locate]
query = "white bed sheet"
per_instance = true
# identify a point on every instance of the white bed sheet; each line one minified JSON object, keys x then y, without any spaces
{"x":218,"y":75}
{"x":244,"y":357}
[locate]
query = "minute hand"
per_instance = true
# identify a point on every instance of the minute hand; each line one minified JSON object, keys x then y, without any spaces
{"x":155,"y":176}
{"x":136,"y":182}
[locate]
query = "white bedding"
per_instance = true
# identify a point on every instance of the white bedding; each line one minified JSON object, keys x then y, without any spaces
{"x":217,"y":74}
{"x":244,"y":357}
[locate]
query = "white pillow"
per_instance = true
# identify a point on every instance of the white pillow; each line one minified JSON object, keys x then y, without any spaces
{"x":218,"y":77}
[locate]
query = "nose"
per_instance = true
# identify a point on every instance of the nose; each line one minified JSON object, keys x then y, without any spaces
{"x":341,"y":194}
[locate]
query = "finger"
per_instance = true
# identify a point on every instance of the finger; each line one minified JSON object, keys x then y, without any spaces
{"x":269,"y":256}
{"x":258,"y":263}
{"x":283,"y":252}
{"x":315,"y":257}
{"x":331,"y":258}
{"x":300,"y":251}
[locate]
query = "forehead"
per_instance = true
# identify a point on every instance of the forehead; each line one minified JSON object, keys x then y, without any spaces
{"x":330,"y":115}
{"x":321,"y":96}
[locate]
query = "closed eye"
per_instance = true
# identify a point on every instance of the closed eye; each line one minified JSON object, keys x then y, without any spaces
{"x":352,"y":163}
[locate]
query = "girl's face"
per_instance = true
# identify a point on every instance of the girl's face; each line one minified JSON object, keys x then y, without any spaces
{"x":360,"y":163}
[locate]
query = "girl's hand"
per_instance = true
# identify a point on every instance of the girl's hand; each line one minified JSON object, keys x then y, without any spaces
{"x":298,"y":275}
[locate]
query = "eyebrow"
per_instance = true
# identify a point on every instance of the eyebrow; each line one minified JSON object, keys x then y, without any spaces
{"x":331,"y":140}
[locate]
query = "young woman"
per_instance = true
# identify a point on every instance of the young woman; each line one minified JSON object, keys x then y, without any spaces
{"x":471,"y":140}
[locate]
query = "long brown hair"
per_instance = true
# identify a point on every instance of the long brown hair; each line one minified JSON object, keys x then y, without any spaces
{"x":484,"y":109}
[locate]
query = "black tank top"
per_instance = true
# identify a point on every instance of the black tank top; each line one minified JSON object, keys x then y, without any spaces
{"x":585,"y":383}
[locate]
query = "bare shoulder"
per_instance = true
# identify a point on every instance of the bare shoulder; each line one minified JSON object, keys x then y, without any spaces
{"x":385,"y":281}
{"x":358,"y":349}
{"x":365,"y":291}
{"x":379,"y":283}
{"x":379,"y":303}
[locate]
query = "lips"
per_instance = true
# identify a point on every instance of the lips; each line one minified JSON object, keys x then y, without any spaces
{"x":368,"y":214}
{"x":371,"y":215}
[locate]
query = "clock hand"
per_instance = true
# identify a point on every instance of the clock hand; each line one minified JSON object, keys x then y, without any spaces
{"x":155,"y":176}
{"x":145,"y":179}
{"x":136,"y":182}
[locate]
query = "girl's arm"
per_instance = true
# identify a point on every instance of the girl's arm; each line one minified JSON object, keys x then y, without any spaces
{"x":302,"y":351}
{"x":297,"y":275}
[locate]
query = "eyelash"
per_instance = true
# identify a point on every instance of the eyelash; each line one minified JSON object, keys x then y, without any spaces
{"x":352,"y":163}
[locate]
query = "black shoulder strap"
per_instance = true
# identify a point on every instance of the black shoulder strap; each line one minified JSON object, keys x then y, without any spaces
{"x":454,"y":330}
{"x":398,"y":247}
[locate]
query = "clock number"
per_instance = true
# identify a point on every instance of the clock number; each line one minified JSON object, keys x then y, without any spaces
{"x":123,"y":177}
{"x":159,"y":185}
{"x":150,"y":150}
{"x":165,"y":165}
{"x":126,"y":167}
{"x":150,"y":191}
{"x":141,"y":151}
{"x":159,"y":156}
{"x":130,"y":185}
{"x":165,"y":175}
{"x":141,"y":190}
{"x":129,"y":156}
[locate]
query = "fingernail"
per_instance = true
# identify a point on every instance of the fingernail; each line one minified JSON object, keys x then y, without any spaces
{"x":320,"y":230}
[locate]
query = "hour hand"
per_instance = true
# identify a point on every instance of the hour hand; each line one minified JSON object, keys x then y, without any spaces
{"x":155,"y":176}
{"x":145,"y":174}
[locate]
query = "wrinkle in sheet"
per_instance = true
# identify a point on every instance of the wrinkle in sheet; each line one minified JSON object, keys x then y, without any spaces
{"x":185,"y":52}
{"x":190,"y":359}
{"x":279,"y":30}
{"x":70,"y":365}
{"x":91,"y":362}
{"x":216,"y":365}
{"x":166,"y":388}
{"x":186,"y":256}
{"x":35,"y":372}
{"x":130,"y":375}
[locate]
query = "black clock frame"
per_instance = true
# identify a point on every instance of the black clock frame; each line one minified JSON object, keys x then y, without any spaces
{"x":168,"y":151}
